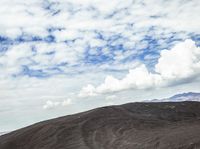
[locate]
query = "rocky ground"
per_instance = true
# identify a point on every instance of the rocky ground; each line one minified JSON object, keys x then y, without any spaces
{"x":130,"y":126}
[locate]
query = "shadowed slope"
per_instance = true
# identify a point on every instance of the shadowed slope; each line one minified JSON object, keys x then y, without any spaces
{"x":129,"y":126}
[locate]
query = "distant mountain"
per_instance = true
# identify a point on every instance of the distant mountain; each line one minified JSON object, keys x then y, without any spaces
{"x":160,"y":125}
{"x":190,"y":96}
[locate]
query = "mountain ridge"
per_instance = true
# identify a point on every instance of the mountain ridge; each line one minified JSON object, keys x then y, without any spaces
{"x":187,"y":96}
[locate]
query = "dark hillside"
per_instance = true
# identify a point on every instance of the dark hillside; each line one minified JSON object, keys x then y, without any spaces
{"x":130,"y":126}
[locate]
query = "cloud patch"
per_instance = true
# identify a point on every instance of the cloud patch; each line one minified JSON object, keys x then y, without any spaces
{"x":174,"y":66}
{"x":54,"y":104}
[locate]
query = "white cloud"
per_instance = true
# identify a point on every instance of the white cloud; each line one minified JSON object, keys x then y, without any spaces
{"x":81,"y":20}
{"x":94,"y":15}
{"x":53,"y":104}
{"x":138,"y":78}
{"x":182,"y":61}
{"x":62,"y":54}
{"x":88,"y":90}
{"x":50,"y":104}
{"x":66,"y":102}
{"x":66,"y":35}
{"x":175,"y":65}
{"x":14,"y":58}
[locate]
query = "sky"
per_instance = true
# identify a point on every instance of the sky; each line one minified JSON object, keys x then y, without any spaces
{"x":63,"y":57}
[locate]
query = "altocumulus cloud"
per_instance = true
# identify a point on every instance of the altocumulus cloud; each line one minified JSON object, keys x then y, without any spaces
{"x":52,"y":37}
{"x":174,"y":66}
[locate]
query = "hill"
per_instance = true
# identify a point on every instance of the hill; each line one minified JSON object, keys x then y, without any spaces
{"x":166,"y":125}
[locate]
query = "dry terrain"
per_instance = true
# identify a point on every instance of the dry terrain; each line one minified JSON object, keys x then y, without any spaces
{"x":174,"y":125}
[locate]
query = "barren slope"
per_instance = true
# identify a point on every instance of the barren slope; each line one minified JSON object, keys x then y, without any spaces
{"x":129,"y":126}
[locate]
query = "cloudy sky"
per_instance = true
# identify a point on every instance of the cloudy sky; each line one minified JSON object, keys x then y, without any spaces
{"x":66,"y":56}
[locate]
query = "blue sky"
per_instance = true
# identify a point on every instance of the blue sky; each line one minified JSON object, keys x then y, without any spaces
{"x":63,"y":57}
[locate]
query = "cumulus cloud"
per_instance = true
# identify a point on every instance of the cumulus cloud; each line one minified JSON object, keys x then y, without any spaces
{"x":53,"y":104}
{"x":174,"y":65}
{"x":88,"y":90}
{"x":182,"y":61}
